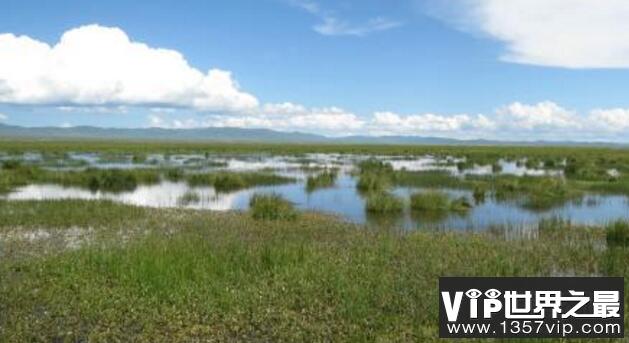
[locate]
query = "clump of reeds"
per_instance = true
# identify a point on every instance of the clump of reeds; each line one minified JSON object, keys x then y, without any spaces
{"x":438,"y":201}
{"x":189,"y":198}
{"x":384,"y":203}
{"x":374,"y":176}
{"x":323,"y":180}
{"x":271,"y":207}
{"x":226,"y":181}
{"x":373,"y":182}
{"x":112,"y":181}
{"x":618,"y":234}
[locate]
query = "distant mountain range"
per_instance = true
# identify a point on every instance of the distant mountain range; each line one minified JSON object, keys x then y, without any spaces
{"x":226,"y":134}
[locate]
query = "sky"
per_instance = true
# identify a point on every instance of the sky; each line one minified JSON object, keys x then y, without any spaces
{"x":510,"y":70}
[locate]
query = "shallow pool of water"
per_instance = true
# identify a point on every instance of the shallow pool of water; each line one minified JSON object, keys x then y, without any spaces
{"x":344,"y":200}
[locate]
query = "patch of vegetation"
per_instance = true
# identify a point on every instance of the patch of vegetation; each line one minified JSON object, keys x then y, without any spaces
{"x":618,"y":234}
{"x":374,"y":176}
{"x":554,"y":224}
{"x":585,"y":170}
{"x":198,"y":276}
{"x":174,"y":174}
{"x":16,"y":174}
{"x":430,"y":201}
{"x":496,"y":168}
{"x":536,"y":193}
{"x":375,"y":166}
{"x":11,"y":164}
{"x":462,"y":166}
{"x":227,"y":182}
{"x":430,"y":179}
{"x":460,"y":204}
{"x":108,"y":180}
{"x":138,"y":158}
{"x":188,"y":198}
{"x":383,"y":203}
{"x":479,"y":194}
{"x":373,"y":182}
{"x":271,"y":207}
{"x":325,"y":179}
{"x":532,"y":163}
{"x":438,"y":201}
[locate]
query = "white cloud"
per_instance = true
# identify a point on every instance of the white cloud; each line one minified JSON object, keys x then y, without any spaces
{"x":3,"y":117}
{"x":94,"y":109}
{"x":282,"y":117}
{"x":559,"y":33}
{"x":332,"y":26}
{"x":614,"y":120}
{"x":307,"y":5}
{"x":392,"y":123}
{"x":99,"y":66}
{"x":160,"y":121}
{"x":517,"y":121}
{"x":544,"y":115}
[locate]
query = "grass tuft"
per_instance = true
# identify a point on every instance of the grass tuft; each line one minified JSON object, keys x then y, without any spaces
{"x":383,"y":203}
{"x":326,"y":179}
{"x":227,"y":182}
{"x":430,"y":201}
{"x":188,"y":198}
{"x":271,"y":207}
{"x":618,"y":234}
{"x":438,"y":201}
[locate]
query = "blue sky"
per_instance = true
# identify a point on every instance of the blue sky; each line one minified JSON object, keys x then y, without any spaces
{"x":430,"y":68}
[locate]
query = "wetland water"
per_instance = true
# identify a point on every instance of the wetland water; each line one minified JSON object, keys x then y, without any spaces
{"x":342,"y":199}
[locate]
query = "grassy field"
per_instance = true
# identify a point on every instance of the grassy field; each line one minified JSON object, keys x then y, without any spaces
{"x":547,"y":156}
{"x":137,"y":274}
{"x":87,"y":271}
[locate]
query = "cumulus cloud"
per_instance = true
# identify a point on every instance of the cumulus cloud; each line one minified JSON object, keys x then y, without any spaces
{"x":3,"y":117}
{"x":559,"y":33}
{"x":516,"y":121}
{"x":614,"y":120}
{"x":542,"y":116}
{"x":393,"y":123}
{"x":283,"y":117}
{"x":97,"y":66}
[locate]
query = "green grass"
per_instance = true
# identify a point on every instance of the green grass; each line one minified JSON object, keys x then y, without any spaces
{"x":618,"y":234}
{"x":188,"y":198}
{"x":430,"y":179}
{"x":228,"y":181}
{"x":374,"y":176}
{"x":11,"y":164}
{"x":438,"y":201}
{"x":537,"y":193}
{"x":199,"y":276}
{"x":483,"y":155}
{"x":138,"y":158}
{"x":325,"y":179}
{"x":111,"y":180}
{"x":496,"y":168}
{"x":373,"y":182}
{"x":271,"y":207}
{"x":174,"y":174}
{"x":479,"y":194}
{"x":383,"y":203}
{"x":374,"y":166}
{"x":430,"y":201}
